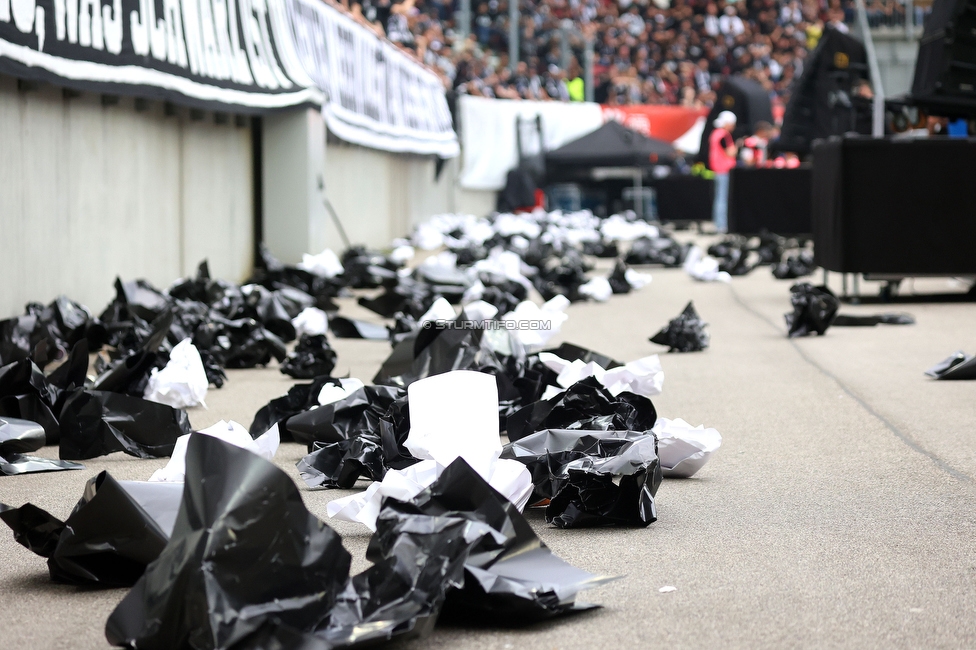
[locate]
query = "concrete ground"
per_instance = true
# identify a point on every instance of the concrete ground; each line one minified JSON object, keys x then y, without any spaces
{"x":839,"y":512}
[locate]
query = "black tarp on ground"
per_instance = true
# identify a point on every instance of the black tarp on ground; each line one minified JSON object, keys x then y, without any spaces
{"x":744,"y":97}
{"x":822,"y":103}
{"x":612,"y":145}
{"x":898,"y":207}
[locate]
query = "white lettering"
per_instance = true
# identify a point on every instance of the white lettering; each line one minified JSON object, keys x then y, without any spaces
{"x":112,"y":19}
{"x":23,"y":11}
{"x":193,"y":45}
{"x":176,"y":49}
{"x":90,"y":24}
{"x":242,"y":72}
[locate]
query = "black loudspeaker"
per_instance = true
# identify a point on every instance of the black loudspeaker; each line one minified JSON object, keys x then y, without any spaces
{"x":945,"y":72}
{"x":744,"y":97}
{"x":824,"y":101}
{"x":769,"y":200}
{"x":903,"y":207}
{"x":684,"y":198}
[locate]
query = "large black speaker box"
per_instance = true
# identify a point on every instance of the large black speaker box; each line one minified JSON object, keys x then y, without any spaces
{"x":684,"y":198}
{"x":769,"y":200}
{"x":946,"y":65}
{"x":903,"y":207}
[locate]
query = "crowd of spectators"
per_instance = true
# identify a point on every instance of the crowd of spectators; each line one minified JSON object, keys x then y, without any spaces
{"x":645,"y":51}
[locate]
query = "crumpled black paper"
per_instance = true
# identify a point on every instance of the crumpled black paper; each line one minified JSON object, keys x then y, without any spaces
{"x":20,"y":436}
{"x":361,"y":435}
{"x":584,"y":405}
{"x":96,"y":423}
{"x":734,"y":255}
{"x":115,"y":531}
{"x":592,"y":478}
{"x":312,"y":357}
{"x":244,"y":551}
{"x":437,"y":348}
{"x":958,"y":365}
{"x":248,"y":566}
{"x":664,"y":251}
{"x":618,"y":278}
{"x":130,"y":374}
{"x":814,"y":309}
{"x":686,"y":333}
{"x":299,"y":398}
{"x":794,"y":266}
{"x":26,"y":394}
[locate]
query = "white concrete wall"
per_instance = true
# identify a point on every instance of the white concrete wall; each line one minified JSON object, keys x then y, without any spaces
{"x":90,"y":192}
{"x":379,"y":196}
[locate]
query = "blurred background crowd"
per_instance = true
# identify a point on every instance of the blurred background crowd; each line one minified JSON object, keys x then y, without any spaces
{"x":645,"y":51}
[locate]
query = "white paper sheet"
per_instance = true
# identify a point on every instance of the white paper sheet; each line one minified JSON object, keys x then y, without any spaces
{"x":643,"y":376}
{"x":598,"y":289}
{"x":684,"y":449}
{"x":326,"y":264}
{"x":551,"y":312}
{"x":312,"y":321}
{"x":452,"y":415}
{"x":183,"y":382}
{"x":265,"y":445}
{"x":331,"y":393}
{"x":703,"y":267}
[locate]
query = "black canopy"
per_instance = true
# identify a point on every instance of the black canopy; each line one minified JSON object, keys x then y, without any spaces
{"x":747,"y":99}
{"x":612,"y":145}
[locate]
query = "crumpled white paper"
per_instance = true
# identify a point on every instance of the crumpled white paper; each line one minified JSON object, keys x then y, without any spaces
{"x":598,"y":289}
{"x":265,"y":445}
{"x":312,"y":321}
{"x":504,"y":263}
{"x":617,"y":228}
{"x":440,"y":310}
{"x":643,"y":376}
{"x":326,"y":264}
{"x":183,"y":382}
{"x":403,"y":253}
{"x":552,"y":312}
{"x":636,"y":279}
{"x":703,"y":267}
{"x":452,"y":415}
{"x":684,"y":449}
{"x":331,"y":393}
{"x":479,"y":310}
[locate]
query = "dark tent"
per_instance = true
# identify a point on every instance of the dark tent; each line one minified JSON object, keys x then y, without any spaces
{"x":612,"y":145}
{"x":750,"y":103}
{"x":823,"y":102}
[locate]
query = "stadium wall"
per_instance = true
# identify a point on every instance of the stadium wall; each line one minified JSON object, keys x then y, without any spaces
{"x":92,"y":191}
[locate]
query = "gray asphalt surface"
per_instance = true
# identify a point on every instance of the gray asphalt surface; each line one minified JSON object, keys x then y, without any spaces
{"x":839,"y":512}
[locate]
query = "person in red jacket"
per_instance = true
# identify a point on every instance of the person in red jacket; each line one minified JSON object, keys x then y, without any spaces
{"x":721,"y":159}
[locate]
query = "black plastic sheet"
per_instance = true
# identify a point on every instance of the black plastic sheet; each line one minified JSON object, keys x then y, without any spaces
{"x":436,"y":349}
{"x":584,"y":405}
{"x":618,"y":278}
{"x":814,"y":309}
{"x":340,"y":464}
{"x":244,"y":552}
{"x":113,"y":533}
{"x":96,"y":423}
{"x":26,"y":394}
{"x":20,"y":436}
{"x":358,"y":414}
{"x":312,"y":357}
{"x":686,"y":333}
{"x":850,"y":320}
{"x":130,"y":374}
{"x":347,"y":328}
{"x":958,"y":365}
{"x":794,"y":266}
{"x":15,"y":464}
{"x":592,"y":478}
{"x":664,"y":251}
{"x":299,"y":398}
